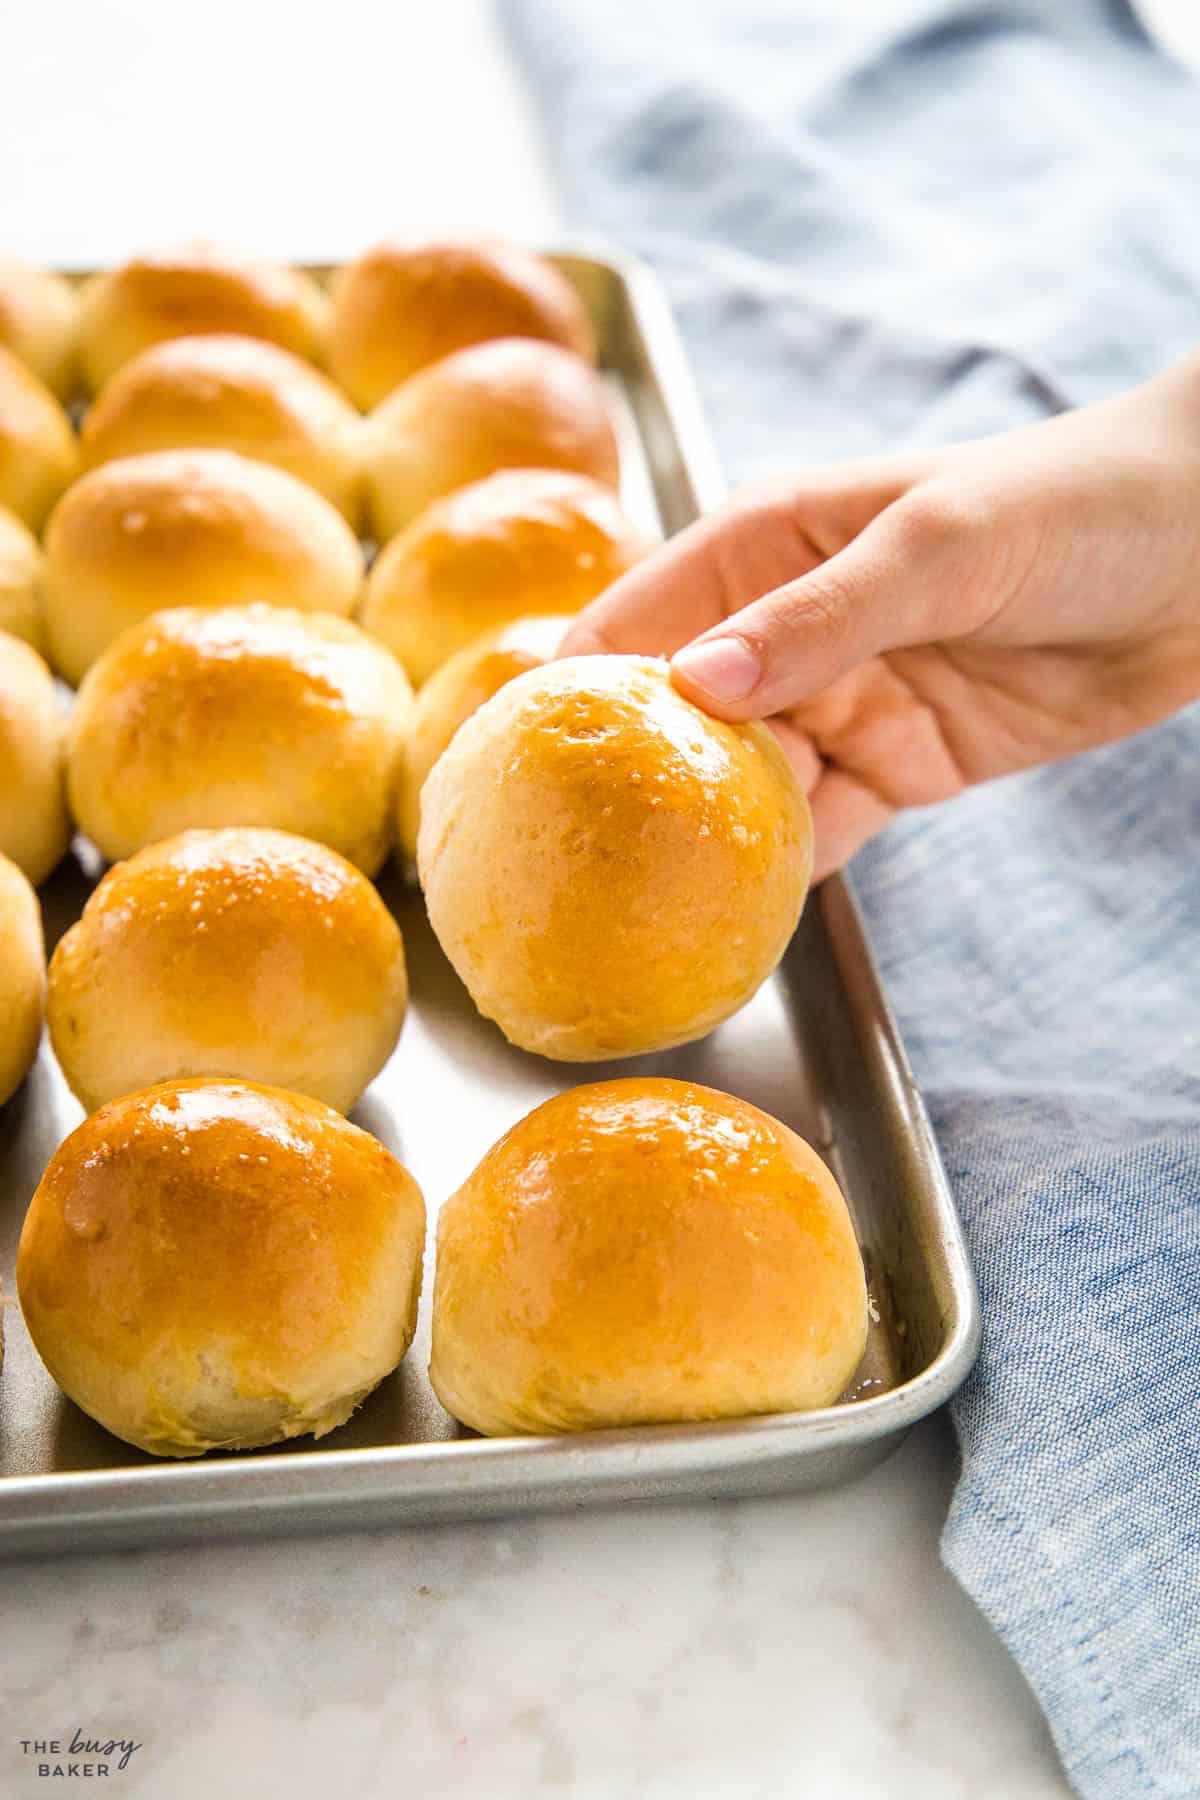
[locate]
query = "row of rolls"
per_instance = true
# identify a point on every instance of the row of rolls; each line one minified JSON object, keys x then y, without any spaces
{"x":217,"y":1257}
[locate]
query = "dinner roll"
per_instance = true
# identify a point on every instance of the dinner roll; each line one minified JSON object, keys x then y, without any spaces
{"x":189,"y":292}
{"x":246,"y":715}
{"x":187,"y":528}
{"x":20,"y":580}
{"x":640,"y":1252}
{"x":34,"y":827}
{"x":212,"y":1265}
{"x":460,"y":688}
{"x":22,"y":977}
{"x":39,"y":322}
{"x":521,"y":542}
{"x":239,"y":952}
{"x":39,"y":453}
{"x":230,"y":393}
{"x":609,"y":869}
{"x":403,"y":306}
{"x":511,"y":404}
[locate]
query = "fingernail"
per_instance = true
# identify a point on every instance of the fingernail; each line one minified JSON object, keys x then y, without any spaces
{"x":725,"y":668}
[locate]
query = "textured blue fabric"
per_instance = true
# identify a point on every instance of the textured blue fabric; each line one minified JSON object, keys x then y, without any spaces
{"x":898,"y":224}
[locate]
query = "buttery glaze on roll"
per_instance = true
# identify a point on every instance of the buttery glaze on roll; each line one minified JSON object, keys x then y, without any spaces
{"x":510,"y":404}
{"x":642,"y":1252}
{"x":21,"y":572}
{"x":39,"y":323}
{"x":243,"y":715}
{"x":39,"y":453}
{"x":402,"y":306}
{"x":34,"y":827}
{"x":459,"y":689}
{"x":22,"y":977}
{"x":211,"y":1265}
{"x":189,"y":292}
{"x":230,"y":393}
{"x":610,"y":870}
{"x":188,"y":528}
{"x":244,"y":953}
{"x":522,"y":542}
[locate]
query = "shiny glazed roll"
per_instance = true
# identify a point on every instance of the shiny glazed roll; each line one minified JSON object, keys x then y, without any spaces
{"x":39,"y":453}
{"x":188,"y":292}
{"x":20,"y":581}
{"x":610,"y":870}
{"x":245,"y":715}
{"x":187,"y":528}
{"x":402,"y":306}
{"x":34,"y":827}
{"x":510,"y":404}
{"x":243,"y":953}
{"x":521,"y":542}
{"x":39,"y":323}
{"x":230,"y":393}
{"x":459,"y":689}
{"x":213,"y":1265}
{"x":22,"y":977}
{"x":642,"y":1252}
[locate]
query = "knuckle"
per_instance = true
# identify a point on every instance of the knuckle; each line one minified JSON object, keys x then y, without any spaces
{"x":944,"y":520}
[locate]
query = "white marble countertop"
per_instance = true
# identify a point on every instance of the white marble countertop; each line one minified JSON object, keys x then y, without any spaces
{"x":810,"y":1645}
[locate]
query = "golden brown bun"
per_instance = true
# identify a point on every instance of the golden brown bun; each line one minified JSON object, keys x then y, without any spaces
{"x":212,"y":1265}
{"x":190,"y":292}
{"x":39,"y":452}
{"x":39,"y":322}
{"x":521,"y":542}
{"x":230,"y":393}
{"x":242,"y":715}
{"x":641,"y":1252}
{"x":459,"y":689}
{"x":609,"y":869}
{"x":22,"y":977}
{"x":187,"y":528}
{"x":511,"y":404}
{"x":243,"y":952}
{"x":34,"y":827}
{"x":403,"y":306}
{"x":20,"y":581}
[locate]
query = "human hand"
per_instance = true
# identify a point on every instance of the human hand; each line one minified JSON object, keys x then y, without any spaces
{"x":912,"y":624}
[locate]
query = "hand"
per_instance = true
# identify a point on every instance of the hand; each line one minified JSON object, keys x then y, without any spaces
{"x":912,"y":624}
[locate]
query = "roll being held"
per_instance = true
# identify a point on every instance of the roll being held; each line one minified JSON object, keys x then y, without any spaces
{"x":521,"y":542}
{"x":216,"y":1265}
{"x":640,"y":1252}
{"x":187,"y":528}
{"x":242,"y":715}
{"x":610,"y":870}
{"x":239,"y":953}
{"x":34,"y":826}
{"x":22,"y":977}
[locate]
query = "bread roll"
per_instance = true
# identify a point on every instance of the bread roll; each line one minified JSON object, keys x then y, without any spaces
{"x":642,"y":1252}
{"x":39,"y":323}
{"x":230,"y":393}
{"x":20,"y":581}
{"x":190,"y":292}
{"x":22,"y":977}
{"x":34,"y":827}
{"x":187,"y":528}
{"x":39,"y":453}
{"x":403,"y":306}
{"x":211,"y":1265}
{"x":245,"y":715}
{"x":511,"y":404}
{"x":459,"y":689}
{"x":243,"y":952}
{"x":609,"y":869}
{"x":522,"y":542}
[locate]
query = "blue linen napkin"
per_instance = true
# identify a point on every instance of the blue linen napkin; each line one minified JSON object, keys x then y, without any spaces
{"x":895,"y":224}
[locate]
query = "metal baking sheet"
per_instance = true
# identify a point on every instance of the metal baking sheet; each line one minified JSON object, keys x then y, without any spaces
{"x":817,"y":1047}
